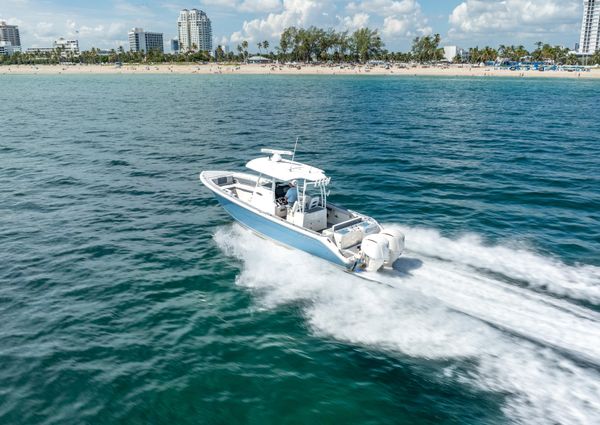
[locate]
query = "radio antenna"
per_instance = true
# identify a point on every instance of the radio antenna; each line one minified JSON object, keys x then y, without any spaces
{"x":295,"y":146}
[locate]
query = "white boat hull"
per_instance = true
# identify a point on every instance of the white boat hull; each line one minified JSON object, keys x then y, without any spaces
{"x":275,"y":227}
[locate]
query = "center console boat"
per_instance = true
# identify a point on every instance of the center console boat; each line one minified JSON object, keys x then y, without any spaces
{"x":258,"y":201}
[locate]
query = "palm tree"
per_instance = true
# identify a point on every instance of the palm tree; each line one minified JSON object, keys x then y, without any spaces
{"x":219,"y":53}
{"x":259,"y":44}
{"x":266,"y":46}
{"x":571,"y":59}
{"x":521,"y":52}
{"x":426,"y":49}
{"x":474,"y":55}
{"x":595,"y":58}
{"x":245,"y":47}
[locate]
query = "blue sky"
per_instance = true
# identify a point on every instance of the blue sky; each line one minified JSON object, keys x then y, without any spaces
{"x":467,"y":23}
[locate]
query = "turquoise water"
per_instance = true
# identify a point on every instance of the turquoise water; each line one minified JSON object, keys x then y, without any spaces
{"x":128,"y":296}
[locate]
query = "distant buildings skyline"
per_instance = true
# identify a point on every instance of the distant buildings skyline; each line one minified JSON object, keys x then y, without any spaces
{"x":194,"y":29}
{"x":467,"y":23}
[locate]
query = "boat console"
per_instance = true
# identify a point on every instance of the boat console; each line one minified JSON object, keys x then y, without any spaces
{"x":312,"y":216}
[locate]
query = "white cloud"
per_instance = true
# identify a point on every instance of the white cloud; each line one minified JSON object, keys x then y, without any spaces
{"x":352,"y":23}
{"x":300,"y":13}
{"x":100,"y":34}
{"x":393,"y":25}
{"x":509,"y":16}
{"x":401,"y":19}
{"x":406,"y":26}
{"x":44,"y":32}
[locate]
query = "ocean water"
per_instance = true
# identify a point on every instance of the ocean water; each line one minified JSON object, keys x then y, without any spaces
{"x":127,"y":295}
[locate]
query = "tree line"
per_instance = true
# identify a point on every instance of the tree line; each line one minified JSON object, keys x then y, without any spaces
{"x":314,"y":45}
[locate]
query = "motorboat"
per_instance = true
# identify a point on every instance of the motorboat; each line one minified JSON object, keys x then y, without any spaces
{"x":263,"y":201}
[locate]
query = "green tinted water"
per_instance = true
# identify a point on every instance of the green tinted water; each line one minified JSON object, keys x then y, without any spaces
{"x":127,"y":296}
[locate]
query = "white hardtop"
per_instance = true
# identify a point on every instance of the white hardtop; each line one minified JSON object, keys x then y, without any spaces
{"x":284,"y":169}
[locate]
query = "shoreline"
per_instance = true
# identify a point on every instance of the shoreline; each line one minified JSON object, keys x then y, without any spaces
{"x":301,"y":69}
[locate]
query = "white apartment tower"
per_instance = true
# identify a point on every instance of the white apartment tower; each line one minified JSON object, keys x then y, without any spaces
{"x":195,"y":31}
{"x":589,"y":41}
{"x":142,"y":41}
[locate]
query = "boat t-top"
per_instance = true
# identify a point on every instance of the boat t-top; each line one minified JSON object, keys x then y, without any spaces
{"x":264,"y":201}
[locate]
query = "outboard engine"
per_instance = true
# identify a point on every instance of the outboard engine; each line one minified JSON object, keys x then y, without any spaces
{"x":395,"y":239}
{"x":375,"y":251}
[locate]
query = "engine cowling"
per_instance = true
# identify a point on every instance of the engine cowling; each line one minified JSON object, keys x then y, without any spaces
{"x":375,"y":251}
{"x":395,"y":239}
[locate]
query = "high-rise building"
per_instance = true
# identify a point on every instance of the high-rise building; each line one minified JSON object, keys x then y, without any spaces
{"x":194,"y":30}
{"x":141,"y":41}
{"x":10,"y":34}
{"x":589,"y":41}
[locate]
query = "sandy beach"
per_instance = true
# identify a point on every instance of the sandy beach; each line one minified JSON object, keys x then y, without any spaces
{"x":301,"y":69}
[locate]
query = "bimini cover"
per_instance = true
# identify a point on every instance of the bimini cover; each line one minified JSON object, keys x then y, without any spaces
{"x":285,"y":169}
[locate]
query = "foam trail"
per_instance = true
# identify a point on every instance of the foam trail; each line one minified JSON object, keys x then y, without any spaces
{"x":545,"y":386}
{"x":577,"y":282}
{"x":537,"y":317}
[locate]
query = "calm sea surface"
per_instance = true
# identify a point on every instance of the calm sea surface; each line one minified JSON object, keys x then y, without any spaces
{"x":128,"y":296}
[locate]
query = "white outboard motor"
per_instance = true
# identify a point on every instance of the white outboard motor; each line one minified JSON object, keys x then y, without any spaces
{"x":395,"y":239}
{"x":375,"y":251}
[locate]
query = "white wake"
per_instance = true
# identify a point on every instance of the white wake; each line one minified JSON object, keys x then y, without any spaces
{"x":577,"y":282}
{"x":449,"y":301}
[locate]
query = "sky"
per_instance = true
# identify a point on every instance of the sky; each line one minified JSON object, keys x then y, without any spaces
{"x":466,"y":23}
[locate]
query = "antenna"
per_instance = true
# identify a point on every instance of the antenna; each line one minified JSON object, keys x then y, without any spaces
{"x":295,"y":146}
